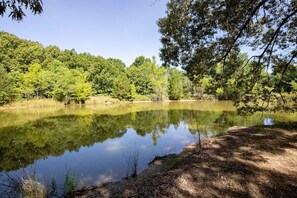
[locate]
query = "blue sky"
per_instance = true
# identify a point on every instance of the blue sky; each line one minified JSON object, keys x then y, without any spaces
{"x":121,"y":29}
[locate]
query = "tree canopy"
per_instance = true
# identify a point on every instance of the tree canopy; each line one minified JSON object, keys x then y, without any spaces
{"x":16,"y":8}
{"x":199,"y":34}
{"x":28,"y":70}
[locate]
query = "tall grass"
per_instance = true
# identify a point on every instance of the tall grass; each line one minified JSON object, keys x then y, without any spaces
{"x":29,"y":186}
{"x":41,"y":103}
{"x":34,"y":103}
{"x":26,"y":186}
{"x":101,"y":99}
{"x":53,"y":189}
{"x":132,"y":164}
{"x":69,"y":185}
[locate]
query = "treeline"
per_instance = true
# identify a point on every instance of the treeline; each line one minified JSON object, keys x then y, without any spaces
{"x":28,"y":70}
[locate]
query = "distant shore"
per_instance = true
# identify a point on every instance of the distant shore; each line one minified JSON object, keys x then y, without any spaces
{"x":246,"y":162}
{"x":44,"y":103}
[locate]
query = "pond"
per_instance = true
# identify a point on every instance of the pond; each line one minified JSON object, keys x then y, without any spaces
{"x":97,"y":143}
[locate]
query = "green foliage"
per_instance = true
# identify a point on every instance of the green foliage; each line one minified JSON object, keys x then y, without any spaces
{"x":220,"y":93}
{"x":8,"y":90}
{"x":139,"y":61}
{"x":294,"y":85}
{"x":16,"y":8}
{"x":36,"y":82}
{"x":31,"y":71}
{"x":53,"y":189}
{"x":69,"y":185}
{"x":133,"y":93}
{"x":82,"y":91}
{"x":175,"y":90}
{"x":188,"y":87}
{"x":159,"y":80}
{"x":117,"y":63}
{"x":122,"y":88}
{"x":204,"y":87}
{"x":213,"y":50}
{"x":104,"y":80}
{"x":139,"y":73}
{"x":71,"y":84}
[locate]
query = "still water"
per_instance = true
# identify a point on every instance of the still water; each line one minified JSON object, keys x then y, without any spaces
{"x":94,"y":142}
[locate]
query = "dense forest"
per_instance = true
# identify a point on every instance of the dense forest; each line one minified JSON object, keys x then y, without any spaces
{"x":29,"y":70}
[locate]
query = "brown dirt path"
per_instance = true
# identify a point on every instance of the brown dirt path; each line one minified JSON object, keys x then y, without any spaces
{"x":247,"y":162}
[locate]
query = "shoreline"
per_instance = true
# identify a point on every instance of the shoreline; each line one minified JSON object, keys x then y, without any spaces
{"x":231,"y":165}
{"x":32,"y":106}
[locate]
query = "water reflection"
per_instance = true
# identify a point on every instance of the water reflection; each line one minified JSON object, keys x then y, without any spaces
{"x":93,"y":145}
{"x":268,"y":121}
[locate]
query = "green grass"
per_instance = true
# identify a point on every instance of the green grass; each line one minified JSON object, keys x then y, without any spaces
{"x":34,"y":103}
{"x":101,"y":99}
{"x":170,"y":162}
{"x":40,"y":103}
{"x":143,"y":98}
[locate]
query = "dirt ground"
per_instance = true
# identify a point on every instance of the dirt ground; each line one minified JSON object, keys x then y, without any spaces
{"x":247,"y":162}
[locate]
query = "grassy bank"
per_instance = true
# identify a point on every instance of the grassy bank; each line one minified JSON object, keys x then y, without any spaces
{"x":34,"y":103}
{"x":96,"y":100}
{"x":42,"y":103}
{"x":247,"y":162}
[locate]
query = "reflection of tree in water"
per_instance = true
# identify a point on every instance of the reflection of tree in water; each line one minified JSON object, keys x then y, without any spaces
{"x":52,"y":136}
{"x":151,"y":122}
{"x":201,"y":121}
{"x":217,"y":122}
{"x":175,"y":117}
{"x":20,"y":146}
{"x":231,"y":119}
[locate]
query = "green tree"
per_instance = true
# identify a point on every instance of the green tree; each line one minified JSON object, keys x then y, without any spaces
{"x":104,"y":80}
{"x":36,"y":82}
{"x":83,"y":91}
{"x":133,"y":92}
{"x":159,"y":80}
{"x":121,"y":88}
{"x":120,"y":65}
{"x":8,"y":90}
{"x":139,"y":61}
{"x":203,"y":86}
{"x":198,"y":34}
{"x":71,"y":84}
{"x":139,"y":73}
{"x":294,"y":85}
{"x":188,"y":87}
{"x":175,"y":89}
{"x":16,"y":8}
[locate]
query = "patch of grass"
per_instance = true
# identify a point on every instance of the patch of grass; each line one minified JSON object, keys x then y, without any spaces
{"x":170,"y":162}
{"x":142,"y":98}
{"x":34,"y":103}
{"x":101,"y":99}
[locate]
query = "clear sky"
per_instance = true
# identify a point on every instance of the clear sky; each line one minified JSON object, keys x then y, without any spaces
{"x":121,"y":29}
